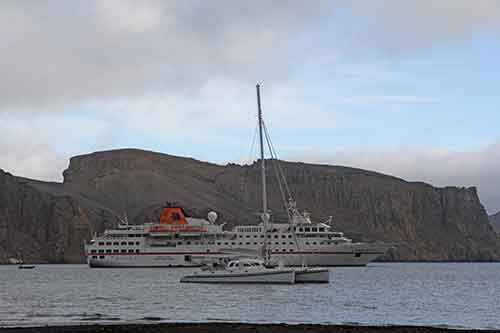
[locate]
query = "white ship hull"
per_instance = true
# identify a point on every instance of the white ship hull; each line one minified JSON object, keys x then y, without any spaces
{"x":271,"y":276}
{"x":183,"y":259}
{"x":142,"y":260}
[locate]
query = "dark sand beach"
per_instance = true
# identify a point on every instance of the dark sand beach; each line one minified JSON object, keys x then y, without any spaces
{"x":213,"y":327}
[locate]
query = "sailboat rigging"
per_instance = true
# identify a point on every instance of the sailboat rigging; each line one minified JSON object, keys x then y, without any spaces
{"x":303,"y":274}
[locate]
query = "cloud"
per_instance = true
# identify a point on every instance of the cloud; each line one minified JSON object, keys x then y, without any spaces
{"x":404,"y":26}
{"x":32,"y":160}
{"x":390,"y":99}
{"x":126,"y":16}
{"x":38,"y":145}
{"x":118,"y":69}
{"x":57,"y":53}
{"x":440,"y":167}
{"x":26,"y":153}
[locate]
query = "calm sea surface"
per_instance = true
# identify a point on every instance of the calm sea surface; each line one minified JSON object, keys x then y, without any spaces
{"x":451,"y":294}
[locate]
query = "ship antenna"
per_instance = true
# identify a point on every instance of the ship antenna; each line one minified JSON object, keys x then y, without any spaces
{"x":265,"y":214}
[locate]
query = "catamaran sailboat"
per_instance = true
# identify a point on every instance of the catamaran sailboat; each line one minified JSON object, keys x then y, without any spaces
{"x":256,"y":270}
{"x":243,"y":270}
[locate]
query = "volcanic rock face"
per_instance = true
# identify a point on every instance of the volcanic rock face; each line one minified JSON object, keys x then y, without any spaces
{"x":49,"y":221}
{"x":495,"y":221}
{"x":38,"y":226}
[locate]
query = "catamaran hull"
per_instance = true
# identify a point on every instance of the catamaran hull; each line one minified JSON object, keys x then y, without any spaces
{"x":322,"y":259}
{"x":312,"y":275}
{"x":275,"y":277}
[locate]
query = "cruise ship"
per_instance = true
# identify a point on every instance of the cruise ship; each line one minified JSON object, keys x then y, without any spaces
{"x":177,"y":240}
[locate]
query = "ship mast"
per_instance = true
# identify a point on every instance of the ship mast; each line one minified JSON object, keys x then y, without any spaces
{"x":265,"y":214}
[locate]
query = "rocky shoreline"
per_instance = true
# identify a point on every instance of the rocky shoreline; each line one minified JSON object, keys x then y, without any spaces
{"x":223,"y":327}
{"x":49,"y":222}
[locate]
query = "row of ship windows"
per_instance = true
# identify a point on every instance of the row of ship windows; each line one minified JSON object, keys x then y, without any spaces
{"x":138,"y":243}
{"x":262,"y":236}
{"x":118,"y":243}
{"x":115,"y":251}
{"x":310,"y":229}
{"x":299,"y":229}
{"x":257,"y":243}
{"x":258,"y":230}
{"x":239,"y":236}
{"x":283,"y":236}
{"x":276,"y":243}
{"x":251,"y":229}
{"x":124,"y":235}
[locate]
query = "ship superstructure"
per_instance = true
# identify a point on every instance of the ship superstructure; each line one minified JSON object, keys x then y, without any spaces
{"x":176,"y":239}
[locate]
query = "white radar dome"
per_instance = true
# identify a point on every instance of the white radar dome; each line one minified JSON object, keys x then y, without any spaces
{"x":212,"y":217}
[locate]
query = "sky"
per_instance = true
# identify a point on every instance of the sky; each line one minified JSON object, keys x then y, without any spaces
{"x":407,"y":88}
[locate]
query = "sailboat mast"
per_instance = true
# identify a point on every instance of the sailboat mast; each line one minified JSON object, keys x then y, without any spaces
{"x":262,"y":161}
{"x":265,"y":215}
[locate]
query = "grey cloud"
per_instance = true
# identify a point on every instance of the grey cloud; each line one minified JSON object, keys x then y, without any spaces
{"x":37,"y":161}
{"x":479,"y":168}
{"x":59,"y":52}
{"x":38,"y":145}
{"x":402,"y":26}
{"x":390,"y":99}
{"x":28,"y":158}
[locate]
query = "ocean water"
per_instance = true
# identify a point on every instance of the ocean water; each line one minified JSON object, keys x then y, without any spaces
{"x":448,"y":294}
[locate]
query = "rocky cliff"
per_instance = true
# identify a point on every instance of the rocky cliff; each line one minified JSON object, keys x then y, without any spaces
{"x":40,"y":222}
{"x":495,"y":221}
{"x":49,"y":221}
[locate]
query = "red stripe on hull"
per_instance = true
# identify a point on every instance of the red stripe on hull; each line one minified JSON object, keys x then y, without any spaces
{"x":212,"y":253}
